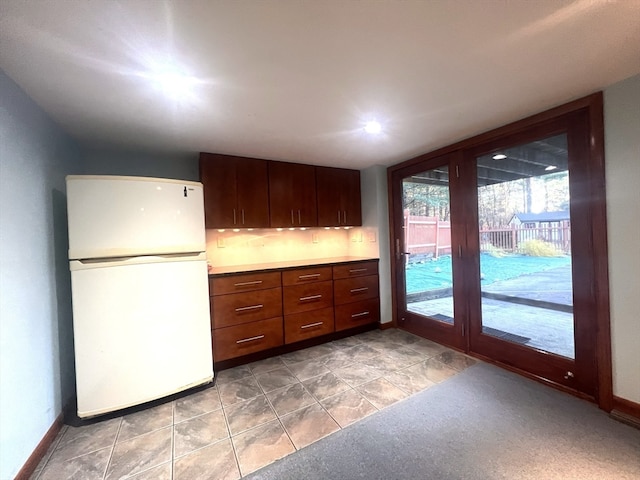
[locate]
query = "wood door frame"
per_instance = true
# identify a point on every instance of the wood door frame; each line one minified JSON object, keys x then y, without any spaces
{"x":451,"y":335}
{"x":592,"y":107}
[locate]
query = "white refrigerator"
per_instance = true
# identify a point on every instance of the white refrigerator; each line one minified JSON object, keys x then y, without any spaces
{"x":139,"y":290}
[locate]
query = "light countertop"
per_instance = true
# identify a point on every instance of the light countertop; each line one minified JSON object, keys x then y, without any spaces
{"x":214,"y":271}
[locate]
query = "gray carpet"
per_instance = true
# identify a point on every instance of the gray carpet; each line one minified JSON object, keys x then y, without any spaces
{"x":484,"y":424}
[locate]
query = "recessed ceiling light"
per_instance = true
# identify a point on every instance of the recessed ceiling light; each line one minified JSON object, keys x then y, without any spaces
{"x":372,"y":127}
{"x":175,"y":85}
{"x":550,"y":167}
{"x":499,"y":156}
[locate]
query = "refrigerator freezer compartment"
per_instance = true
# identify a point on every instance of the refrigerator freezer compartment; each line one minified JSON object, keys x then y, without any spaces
{"x":112,"y":216}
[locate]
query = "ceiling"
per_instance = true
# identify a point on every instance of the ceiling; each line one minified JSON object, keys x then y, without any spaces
{"x":296,"y":80}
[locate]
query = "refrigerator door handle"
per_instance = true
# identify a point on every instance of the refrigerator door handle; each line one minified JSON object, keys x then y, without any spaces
{"x":88,"y":263}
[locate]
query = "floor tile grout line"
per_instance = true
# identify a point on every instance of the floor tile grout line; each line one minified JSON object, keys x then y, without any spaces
{"x":52,"y":450}
{"x":279,"y":420}
{"x":113,"y":448}
{"x":233,"y":446}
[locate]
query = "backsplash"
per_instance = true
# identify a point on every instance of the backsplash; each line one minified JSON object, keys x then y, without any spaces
{"x":226,"y":248}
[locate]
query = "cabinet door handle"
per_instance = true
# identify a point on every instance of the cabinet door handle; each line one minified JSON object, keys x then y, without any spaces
{"x":244,"y":284}
{"x":357,"y":270}
{"x":251,"y":307}
{"x":242,"y":211}
{"x":344,"y":212}
{"x":312,"y":325}
{"x":356,"y":290}
{"x":338,"y":217}
{"x":234,"y":216}
{"x":250,"y":339}
{"x":311,"y":275}
{"x":361,"y":314}
{"x":311,"y":297}
{"x":299,"y":218}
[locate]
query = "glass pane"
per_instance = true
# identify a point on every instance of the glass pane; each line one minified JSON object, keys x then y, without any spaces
{"x":525,"y":245}
{"x":427,"y":243}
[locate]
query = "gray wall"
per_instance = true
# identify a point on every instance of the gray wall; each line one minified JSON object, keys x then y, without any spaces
{"x":375,"y":213}
{"x":36,"y":339}
{"x":111,"y":161}
{"x":622,"y":163}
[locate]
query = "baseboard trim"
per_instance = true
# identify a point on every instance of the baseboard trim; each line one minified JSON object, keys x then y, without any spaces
{"x":41,"y":450}
{"x":384,"y":326}
{"x":626,"y":411}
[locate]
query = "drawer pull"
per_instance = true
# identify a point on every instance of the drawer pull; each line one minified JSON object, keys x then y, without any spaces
{"x":357,"y":270}
{"x":311,"y":275}
{"x":357,"y":290}
{"x":244,"y":284}
{"x":312,"y":325}
{"x":252,"y":307}
{"x":311,"y":297}
{"x":250,"y":339}
{"x":361,"y":314}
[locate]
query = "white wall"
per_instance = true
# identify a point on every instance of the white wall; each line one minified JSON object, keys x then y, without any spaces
{"x":622,"y":163}
{"x":36,"y":342}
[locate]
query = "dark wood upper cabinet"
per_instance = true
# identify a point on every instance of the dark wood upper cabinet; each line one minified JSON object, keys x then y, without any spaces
{"x":292,"y":195}
{"x":339,"y":202}
{"x":236,"y":193}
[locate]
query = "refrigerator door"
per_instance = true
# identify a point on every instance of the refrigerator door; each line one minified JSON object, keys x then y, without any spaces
{"x":112,"y":216}
{"x":141,"y":330}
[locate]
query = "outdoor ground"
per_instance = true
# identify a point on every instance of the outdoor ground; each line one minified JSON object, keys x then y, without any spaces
{"x":549,"y":329}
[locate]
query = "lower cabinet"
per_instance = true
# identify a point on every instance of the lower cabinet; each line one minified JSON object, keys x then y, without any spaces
{"x":302,"y":326}
{"x":356,"y":314}
{"x":239,"y":340}
{"x":253,"y":312}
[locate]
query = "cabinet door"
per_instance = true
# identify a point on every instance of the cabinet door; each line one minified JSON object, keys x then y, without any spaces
{"x":351,"y":201}
{"x":328,"y":188}
{"x":292,"y":195}
{"x":218,"y":175}
{"x":338,"y":192}
{"x":252,"y":186}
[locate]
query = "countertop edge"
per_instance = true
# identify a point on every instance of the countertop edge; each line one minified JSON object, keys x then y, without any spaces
{"x":285,"y":265}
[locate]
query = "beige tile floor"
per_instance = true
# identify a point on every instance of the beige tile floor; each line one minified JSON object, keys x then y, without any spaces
{"x":256,"y":413}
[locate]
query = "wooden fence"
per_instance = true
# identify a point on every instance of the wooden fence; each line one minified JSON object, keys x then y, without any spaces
{"x":426,"y":236}
{"x":429,"y":237}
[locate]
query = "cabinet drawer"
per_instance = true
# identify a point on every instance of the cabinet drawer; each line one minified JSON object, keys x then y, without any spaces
{"x":240,"y":308}
{"x":301,"y":326}
{"x":306,"y":275}
{"x":360,"y":269}
{"x":243,"y":283}
{"x":248,"y":338}
{"x":312,"y":296}
{"x":355,"y":314}
{"x":350,"y":290}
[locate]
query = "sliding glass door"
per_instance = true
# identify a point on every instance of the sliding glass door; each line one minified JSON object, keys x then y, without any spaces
{"x":497,"y":253}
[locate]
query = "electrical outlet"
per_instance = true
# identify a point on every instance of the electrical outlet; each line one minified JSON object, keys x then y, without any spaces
{"x":314,"y":238}
{"x":356,"y":237}
{"x":371,"y":237}
{"x":221,"y":242}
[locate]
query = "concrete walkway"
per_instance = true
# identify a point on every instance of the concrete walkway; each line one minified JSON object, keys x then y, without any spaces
{"x":553,"y":286}
{"x":517,"y":309}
